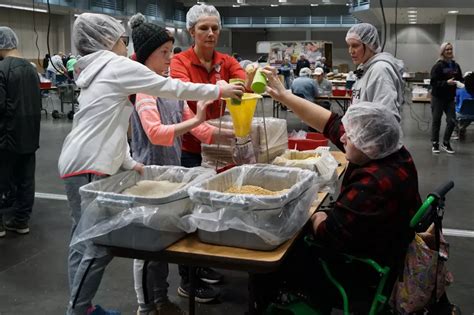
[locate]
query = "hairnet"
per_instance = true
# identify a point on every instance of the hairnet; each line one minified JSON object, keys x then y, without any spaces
{"x":8,"y":38}
{"x":198,"y":11}
{"x":365,"y":33}
{"x":372,"y":129}
{"x":93,"y":32}
{"x":305,"y":72}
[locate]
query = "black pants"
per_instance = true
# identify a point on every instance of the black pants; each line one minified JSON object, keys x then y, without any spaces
{"x":438,"y":106}
{"x":17,"y":184}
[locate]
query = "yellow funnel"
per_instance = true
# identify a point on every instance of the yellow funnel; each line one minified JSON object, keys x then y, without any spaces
{"x":242,"y":113}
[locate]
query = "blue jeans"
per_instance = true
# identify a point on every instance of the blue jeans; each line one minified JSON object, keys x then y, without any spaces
{"x":84,"y":271}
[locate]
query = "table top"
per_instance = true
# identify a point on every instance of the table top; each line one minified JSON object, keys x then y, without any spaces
{"x":423,"y":99}
{"x":191,"y":250}
{"x":334,"y":97}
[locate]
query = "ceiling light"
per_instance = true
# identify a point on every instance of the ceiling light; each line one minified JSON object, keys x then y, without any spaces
{"x":236,"y":5}
{"x":412,"y":11}
{"x":241,"y":1}
{"x":453,"y":12}
{"x":314,"y":4}
{"x":273,"y":5}
{"x":411,"y":22}
{"x":22,"y":8}
{"x":282,"y":1}
{"x":412,"y":15}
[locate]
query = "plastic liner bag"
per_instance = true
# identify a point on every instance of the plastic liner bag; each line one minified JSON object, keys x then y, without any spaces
{"x":111,"y":218}
{"x":319,"y":160}
{"x":300,"y":134}
{"x":243,"y":152}
{"x":252,"y":221}
{"x":414,"y":292}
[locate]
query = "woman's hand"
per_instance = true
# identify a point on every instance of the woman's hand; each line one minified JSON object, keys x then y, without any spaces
{"x":451,"y":81}
{"x":201,"y":110}
{"x":139,"y":168}
{"x":274,"y":86}
{"x":234,"y":91}
{"x":317,"y":218}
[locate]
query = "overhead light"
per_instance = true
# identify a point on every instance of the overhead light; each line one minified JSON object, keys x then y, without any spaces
{"x":453,"y":12}
{"x":201,"y":2}
{"x":241,"y":1}
{"x":282,"y":1}
{"x":314,"y":4}
{"x":411,"y":22}
{"x":273,"y":5}
{"x":17,"y":7}
{"x":412,"y":15}
{"x":236,"y":5}
{"x":412,"y":12}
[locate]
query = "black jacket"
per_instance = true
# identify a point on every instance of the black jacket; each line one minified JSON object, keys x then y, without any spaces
{"x":441,"y":72}
{"x":20,"y":106}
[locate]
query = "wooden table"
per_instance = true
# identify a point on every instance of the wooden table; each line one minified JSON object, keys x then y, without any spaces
{"x":191,"y":251}
{"x":422,"y":100}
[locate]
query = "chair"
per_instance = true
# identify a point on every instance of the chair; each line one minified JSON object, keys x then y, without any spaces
{"x":465,"y":116}
{"x":431,"y":211}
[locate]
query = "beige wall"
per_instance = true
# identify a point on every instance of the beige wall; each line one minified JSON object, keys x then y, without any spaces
{"x":22,"y":23}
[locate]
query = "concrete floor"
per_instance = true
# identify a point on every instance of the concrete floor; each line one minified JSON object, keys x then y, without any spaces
{"x":33,"y":267}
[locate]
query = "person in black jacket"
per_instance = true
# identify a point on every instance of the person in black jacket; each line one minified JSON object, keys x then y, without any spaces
{"x":444,"y":75}
{"x":301,"y":63}
{"x":20,"y":105}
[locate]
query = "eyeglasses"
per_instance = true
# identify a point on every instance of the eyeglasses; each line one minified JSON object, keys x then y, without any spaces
{"x":125,"y":39}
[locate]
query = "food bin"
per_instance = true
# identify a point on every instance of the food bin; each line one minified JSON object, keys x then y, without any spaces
{"x":312,"y":141}
{"x":143,"y":223}
{"x":248,"y":220}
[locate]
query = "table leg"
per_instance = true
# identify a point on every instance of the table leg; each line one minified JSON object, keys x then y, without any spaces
{"x":192,"y":289}
{"x":252,"y":295}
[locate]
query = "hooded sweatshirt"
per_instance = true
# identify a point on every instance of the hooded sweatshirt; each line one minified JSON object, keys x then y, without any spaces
{"x":381,"y":82}
{"x":97,"y":143}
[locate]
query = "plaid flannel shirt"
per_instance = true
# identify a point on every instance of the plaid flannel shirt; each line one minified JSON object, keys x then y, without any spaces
{"x":376,"y":202}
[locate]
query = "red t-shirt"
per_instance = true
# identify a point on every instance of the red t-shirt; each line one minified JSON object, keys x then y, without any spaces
{"x":187,"y":67}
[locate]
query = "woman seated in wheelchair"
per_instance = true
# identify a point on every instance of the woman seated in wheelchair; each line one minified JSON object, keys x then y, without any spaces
{"x":378,"y":197}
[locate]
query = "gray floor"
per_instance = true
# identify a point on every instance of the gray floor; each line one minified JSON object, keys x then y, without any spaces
{"x":33,"y":267}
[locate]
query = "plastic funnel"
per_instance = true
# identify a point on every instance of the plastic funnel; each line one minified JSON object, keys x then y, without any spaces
{"x":242,"y":113}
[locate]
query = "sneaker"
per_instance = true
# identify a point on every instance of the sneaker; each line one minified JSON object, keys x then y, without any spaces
{"x":446,"y":146}
{"x":152,"y":312}
{"x":169,"y":308}
{"x":20,"y":228}
{"x":2,"y":229}
{"x":203,"y":293}
{"x":454,"y":136}
{"x":435,"y":148}
{"x":209,"y":275}
{"x":98,"y":310}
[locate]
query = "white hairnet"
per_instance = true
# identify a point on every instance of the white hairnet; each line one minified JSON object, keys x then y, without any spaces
{"x":8,"y":38}
{"x":305,"y":72}
{"x":93,"y":32}
{"x":365,"y":33}
{"x":201,"y":10}
{"x":372,"y":129}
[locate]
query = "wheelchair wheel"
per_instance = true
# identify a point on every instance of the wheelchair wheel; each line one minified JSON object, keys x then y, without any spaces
{"x":55,"y":114}
{"x":70,"y":115}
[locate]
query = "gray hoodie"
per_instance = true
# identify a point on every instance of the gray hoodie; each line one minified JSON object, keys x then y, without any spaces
{"x":381,"y":82}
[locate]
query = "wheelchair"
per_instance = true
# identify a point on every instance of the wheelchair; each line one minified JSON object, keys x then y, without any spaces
{"x":430,"y":212}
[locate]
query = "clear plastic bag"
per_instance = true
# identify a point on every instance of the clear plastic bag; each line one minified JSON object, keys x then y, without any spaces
{"x":105,"y":210}
{"x":243,"y":151}
{"x":319,"y":160}
{"x":274,"y":219}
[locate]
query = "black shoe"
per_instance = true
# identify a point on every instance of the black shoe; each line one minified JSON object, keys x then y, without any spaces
{"x":435,"y":148}
{"x":446,"y":146}
{"x":203,"y":292}
{"x":20,"y":228}
{"x":209,"y":275}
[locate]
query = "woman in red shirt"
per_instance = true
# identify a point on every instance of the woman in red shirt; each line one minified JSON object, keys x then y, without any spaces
{"x":203,"y":64}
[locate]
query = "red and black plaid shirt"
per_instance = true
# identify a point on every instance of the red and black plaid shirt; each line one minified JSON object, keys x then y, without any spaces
{"x":376,"y":202}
